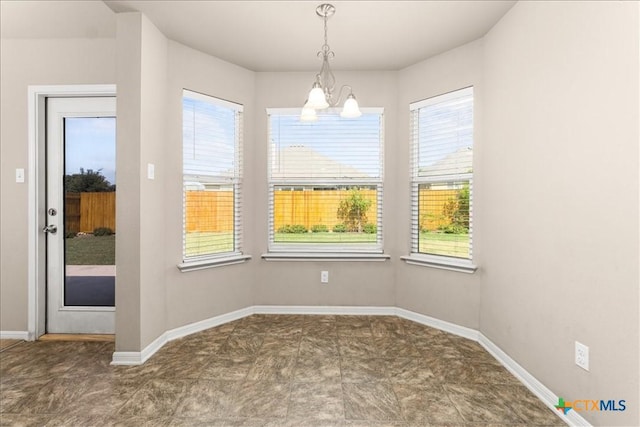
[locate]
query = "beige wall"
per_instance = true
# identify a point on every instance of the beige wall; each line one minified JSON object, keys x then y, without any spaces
{"x":199,"y":295}
{"x":298,"y":283}
{"x":26,"y":62}
{"x":556,"y":115}
{"x":561,"y":154}
{"x":445,"y":295}
{"x":152,"y":293}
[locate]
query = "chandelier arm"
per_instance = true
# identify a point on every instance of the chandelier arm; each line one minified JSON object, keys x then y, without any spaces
{"x":325,"y":81}
{"x":328,"y":79}
{"x":340,"y":93}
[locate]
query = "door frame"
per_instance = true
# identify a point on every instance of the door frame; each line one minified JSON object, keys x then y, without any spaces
{"x":36,"y":174}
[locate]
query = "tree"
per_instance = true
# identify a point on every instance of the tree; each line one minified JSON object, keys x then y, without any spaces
{"x":461,"y":215}
{"x":88,"y":181}
{"x":456,"y":211}
{"x":353,"y":210}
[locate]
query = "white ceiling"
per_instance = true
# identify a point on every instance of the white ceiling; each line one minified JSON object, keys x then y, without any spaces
{"x":276,"y":35}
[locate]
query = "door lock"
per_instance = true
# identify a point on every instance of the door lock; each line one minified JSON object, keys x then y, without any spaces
{"x":52,"y":212}
{"x":50,"y":229}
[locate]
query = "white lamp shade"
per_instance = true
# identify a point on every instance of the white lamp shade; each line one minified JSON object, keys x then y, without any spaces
{"x":317,"y":99}
{"x":308,"y":114}
{"x":350,"y":109}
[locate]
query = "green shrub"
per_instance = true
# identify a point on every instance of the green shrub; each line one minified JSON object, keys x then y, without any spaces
{"x":284,"y":229}
{"x":319,"y":228}
{"x":370,"y":228}
{"x":292,"y":229}
{"x":70,"y":234}
{"x":454,"y":229}
{"x":340,"y":228}
{"x":102,"y":231}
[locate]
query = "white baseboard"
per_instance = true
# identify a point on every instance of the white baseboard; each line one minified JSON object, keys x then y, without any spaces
{"x":344,"y":310}
{"x":452,"y":328}
{"x":212,"y":322}
{"x":528,"y":380}
{"x":14,"y":335}
{"x":139,"y":357}
{"x":548,"y":397}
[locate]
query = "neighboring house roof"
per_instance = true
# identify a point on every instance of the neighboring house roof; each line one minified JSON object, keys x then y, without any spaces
{"x":300,"y":161}
{"x":458,"y":162}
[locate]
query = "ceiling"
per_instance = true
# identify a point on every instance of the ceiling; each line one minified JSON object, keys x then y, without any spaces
{"x":275,"y":35}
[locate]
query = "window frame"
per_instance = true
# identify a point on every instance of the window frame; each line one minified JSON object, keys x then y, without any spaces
{"x":234,"y":256}
{"x":325,"y":251}
{"x":447,"y":262}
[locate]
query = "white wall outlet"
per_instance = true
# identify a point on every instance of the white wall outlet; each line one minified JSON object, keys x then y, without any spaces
{"x":324,"y":277}
{"x":582,"y":356}
{"x":151,"y":171}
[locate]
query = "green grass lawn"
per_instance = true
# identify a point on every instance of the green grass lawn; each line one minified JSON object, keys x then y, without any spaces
{"x":325,"y":238}
{"x":456,"y":245}
{"x":208,"y":243}
{"x":90,"y":250}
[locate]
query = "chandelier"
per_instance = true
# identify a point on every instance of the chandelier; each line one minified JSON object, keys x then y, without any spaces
{"x":322,"y":93}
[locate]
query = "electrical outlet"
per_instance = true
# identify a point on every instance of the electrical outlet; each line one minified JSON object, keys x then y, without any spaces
{"x":324,"y":277}
{"x":582,"y":356}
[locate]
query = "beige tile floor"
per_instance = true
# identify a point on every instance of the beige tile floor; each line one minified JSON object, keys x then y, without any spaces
{"x":272,"y":370}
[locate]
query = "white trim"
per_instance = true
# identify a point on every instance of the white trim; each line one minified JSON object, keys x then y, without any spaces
{"x":126,"y":358}
{"x":548,"y":397}
{"x":14,"y":335}
{"x":441,"y":262}
{"x":35,"y":114}
{"x":212,"y":322}
{"x":336,"y":110}
{"x":437,"y":99}
{"x":324,"y":310}
{"x":324,"y":256}
{"x":210,"y":99}
{"x":139,"y":357}
{"x":213,"y":262}
{"x":443,"y":325}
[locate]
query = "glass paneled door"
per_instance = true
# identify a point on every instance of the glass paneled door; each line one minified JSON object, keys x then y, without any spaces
{"x":81,"y":226}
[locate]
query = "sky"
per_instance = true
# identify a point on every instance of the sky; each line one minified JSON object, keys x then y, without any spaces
{"x":90,"y":143}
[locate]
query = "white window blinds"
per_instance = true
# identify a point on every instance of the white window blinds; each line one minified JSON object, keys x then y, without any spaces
{"x":212,"y":168}
{"x":442,"y":174}
{"x":325,"y":181}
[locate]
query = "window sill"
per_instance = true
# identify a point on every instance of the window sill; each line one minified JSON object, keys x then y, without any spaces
{"x":441,"y":262}
{"x":213,"y":262}
{"x":328,"y":256}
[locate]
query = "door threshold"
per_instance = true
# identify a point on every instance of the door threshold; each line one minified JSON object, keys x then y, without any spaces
{"x":79,"y":337}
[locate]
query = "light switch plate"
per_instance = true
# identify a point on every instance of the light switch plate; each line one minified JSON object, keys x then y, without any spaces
{"x":151,"y":171}
{"x":20,"y":175}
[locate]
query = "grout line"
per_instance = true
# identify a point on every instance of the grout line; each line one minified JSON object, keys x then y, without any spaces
{"x":11,"y":345}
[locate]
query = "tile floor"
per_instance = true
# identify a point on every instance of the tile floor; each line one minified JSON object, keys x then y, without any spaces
{"x":272,"y":370}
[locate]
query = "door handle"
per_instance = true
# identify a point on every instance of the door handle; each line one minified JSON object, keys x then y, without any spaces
{"x":50,"y":229}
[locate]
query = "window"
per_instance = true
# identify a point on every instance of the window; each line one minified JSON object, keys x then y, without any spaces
{"x":212,"y":177}
{"x":442,"y":176}
{"x":325,"y":182}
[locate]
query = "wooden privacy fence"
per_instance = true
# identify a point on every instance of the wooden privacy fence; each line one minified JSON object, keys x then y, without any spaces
{"x":317,"y":207}
{"x":209,"y":211}
{"x":431,"y":207}
{"x":85,"y":212}
{"x":212,"y":211}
